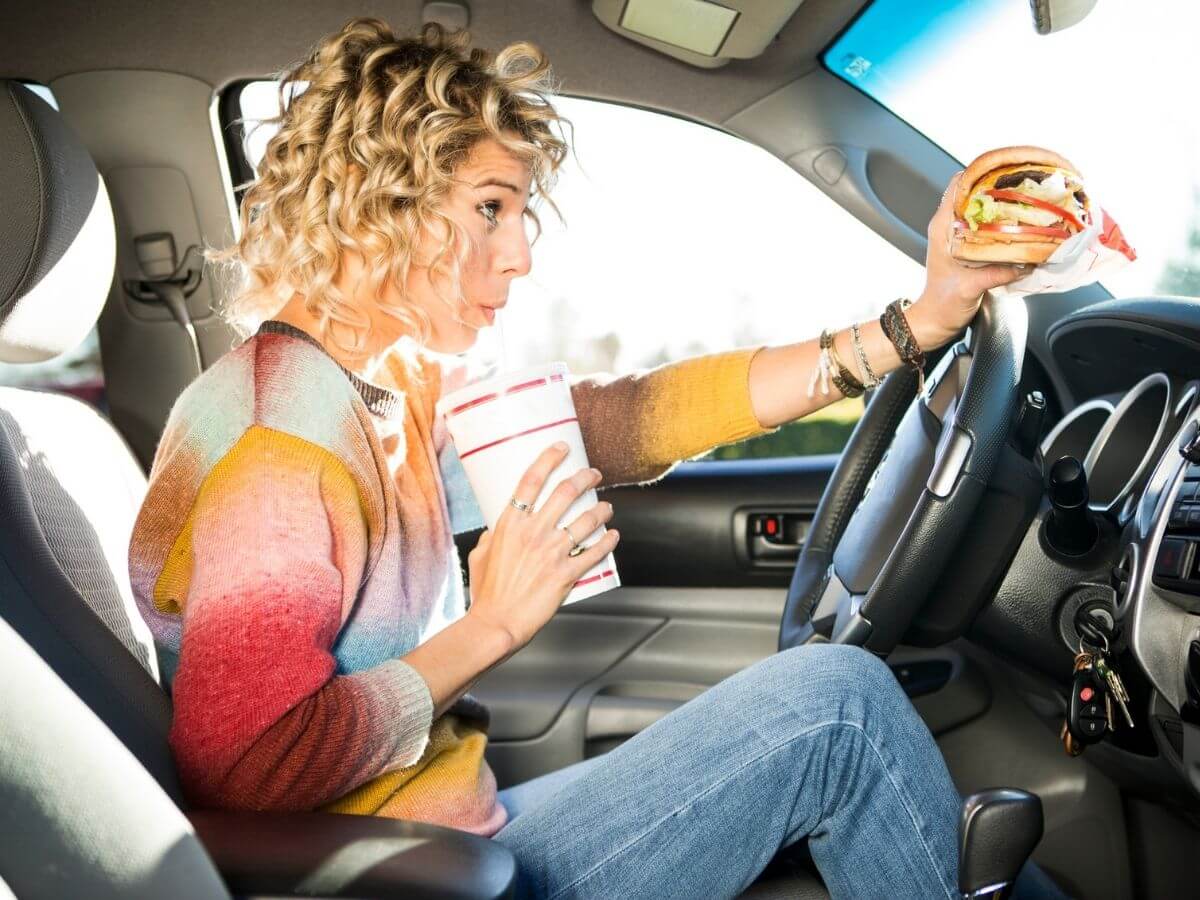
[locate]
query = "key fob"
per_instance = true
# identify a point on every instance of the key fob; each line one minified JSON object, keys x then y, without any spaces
{"x":1087,"y":719}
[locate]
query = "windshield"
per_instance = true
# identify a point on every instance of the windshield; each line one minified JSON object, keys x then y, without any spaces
{"x":1113,"y":94}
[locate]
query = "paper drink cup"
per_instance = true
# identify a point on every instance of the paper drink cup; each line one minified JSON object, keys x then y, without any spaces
{"x":500,"y":426}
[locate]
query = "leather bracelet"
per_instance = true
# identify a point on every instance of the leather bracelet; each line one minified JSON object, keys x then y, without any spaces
{"x":842,"y":378}
{"x":895,"y":326}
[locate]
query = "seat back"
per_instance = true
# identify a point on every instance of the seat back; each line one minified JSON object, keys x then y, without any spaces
{"x":79,"y":815}
{"x":69,"y":486}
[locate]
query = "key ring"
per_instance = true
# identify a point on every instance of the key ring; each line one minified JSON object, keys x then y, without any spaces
{"x":1088,"y":629}
{"x":1093,"y":629}
{"x":1083,"y":644}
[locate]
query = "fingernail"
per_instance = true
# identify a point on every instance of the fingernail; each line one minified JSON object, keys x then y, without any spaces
{"x":561,"y":446}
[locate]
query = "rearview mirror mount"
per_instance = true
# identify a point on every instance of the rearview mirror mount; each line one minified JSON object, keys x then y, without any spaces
{"x":1056,"y":15}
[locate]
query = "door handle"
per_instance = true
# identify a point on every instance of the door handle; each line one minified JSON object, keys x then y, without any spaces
{"x":762,"y":549}
{"x":774,"y":537}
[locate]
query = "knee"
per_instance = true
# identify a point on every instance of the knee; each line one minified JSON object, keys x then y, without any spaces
{"x":843,"y":670}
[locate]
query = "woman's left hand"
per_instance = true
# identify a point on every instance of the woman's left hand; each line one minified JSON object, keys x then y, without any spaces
{"x":953,"y":290}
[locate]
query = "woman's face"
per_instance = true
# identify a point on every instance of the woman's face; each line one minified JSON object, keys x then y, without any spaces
{"x":488,"y":202}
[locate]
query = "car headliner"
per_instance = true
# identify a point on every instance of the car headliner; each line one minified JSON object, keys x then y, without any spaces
{"x":220,"y":41}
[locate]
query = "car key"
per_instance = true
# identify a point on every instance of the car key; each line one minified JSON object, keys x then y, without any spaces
{"x":1116,"y":687}
{"x":1086,"y":718}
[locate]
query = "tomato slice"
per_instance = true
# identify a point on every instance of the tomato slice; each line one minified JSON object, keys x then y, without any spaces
{"x":1018,"y":197}
{"x":1061,"y":233}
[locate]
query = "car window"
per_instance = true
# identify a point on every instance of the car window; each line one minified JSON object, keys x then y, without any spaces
{"x":677,"y":239}
{"x":76,"y":372}
{"x":1108,"y":93}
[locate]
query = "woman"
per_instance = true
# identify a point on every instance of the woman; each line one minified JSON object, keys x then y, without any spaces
{"x":294,"y":554}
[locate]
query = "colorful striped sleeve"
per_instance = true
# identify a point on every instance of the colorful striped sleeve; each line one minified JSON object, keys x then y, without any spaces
{"x":272,"y":556}
{"x":636,"y":427}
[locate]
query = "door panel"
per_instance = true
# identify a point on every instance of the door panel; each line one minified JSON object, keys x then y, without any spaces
{"x":693,"y":610}
{"x":525,"y":697}
{"x":692,"y":527}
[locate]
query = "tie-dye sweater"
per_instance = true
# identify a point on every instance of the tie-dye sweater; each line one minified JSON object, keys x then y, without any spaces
{"x":296,"y":541}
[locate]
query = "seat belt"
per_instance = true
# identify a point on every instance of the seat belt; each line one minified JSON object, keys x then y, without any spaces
{"x":168,"y":283}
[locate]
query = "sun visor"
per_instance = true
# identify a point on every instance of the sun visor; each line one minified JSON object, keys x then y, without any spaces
{"x":699,"y":32}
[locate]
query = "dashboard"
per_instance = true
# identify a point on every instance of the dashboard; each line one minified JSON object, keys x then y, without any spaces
{"x":1131,"y":367}
{"x":1163,"y":598}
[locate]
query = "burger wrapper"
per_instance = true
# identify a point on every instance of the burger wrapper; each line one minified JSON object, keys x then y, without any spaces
{"x":1086,"y":257}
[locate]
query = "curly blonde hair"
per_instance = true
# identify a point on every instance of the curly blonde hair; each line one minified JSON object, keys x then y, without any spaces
{"x":363,"y":160}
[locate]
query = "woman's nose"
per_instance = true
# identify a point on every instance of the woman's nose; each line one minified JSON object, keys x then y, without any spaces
{"x":514,"y":259}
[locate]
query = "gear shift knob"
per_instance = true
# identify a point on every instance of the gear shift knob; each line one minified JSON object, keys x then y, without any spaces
{"x":997,"y":830}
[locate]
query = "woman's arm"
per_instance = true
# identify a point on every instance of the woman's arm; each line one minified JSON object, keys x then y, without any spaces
{"x":637,"y":427}
{"x":779,"y":375}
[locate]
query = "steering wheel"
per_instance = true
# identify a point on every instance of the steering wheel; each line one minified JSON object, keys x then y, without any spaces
{"x":907,"y":484}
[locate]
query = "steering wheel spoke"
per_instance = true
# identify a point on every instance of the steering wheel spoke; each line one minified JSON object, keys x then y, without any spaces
{"x":908,"y":482}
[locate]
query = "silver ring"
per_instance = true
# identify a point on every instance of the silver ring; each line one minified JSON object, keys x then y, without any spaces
{"x":523,"y":507}
{"x":576,"y":547}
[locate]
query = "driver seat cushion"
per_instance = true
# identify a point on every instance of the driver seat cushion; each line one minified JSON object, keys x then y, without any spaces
{"x":790,"y":875}
{"x":79,"y":815}
{"x":795,"y":885}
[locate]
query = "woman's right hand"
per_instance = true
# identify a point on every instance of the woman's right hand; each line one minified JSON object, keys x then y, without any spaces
{"x":521,"y":574}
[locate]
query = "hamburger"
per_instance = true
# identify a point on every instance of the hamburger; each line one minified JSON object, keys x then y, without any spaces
{"x":1017,"y":205}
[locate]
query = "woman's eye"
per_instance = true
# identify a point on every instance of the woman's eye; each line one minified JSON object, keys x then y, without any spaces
{"x":490,"y":210}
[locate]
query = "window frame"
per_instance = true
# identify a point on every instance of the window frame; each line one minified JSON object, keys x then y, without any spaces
{"x":233,"y":134}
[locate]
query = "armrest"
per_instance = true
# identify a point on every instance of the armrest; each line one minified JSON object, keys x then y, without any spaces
{"x":333,"y":855}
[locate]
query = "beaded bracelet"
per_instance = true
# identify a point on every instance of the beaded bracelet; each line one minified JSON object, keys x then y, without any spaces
{"x":895,"y":326}
{"x":870,"y":379}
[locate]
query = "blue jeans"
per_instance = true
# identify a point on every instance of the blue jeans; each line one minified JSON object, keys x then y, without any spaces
{"x":817,"y":741}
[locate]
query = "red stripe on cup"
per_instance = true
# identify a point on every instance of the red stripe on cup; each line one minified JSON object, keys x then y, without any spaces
{"x":525,"y":386}
{"x":593,"y":578}
{"x":487,"y":398}
{"x":517,"y":435}
{"x":478,"y":401}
